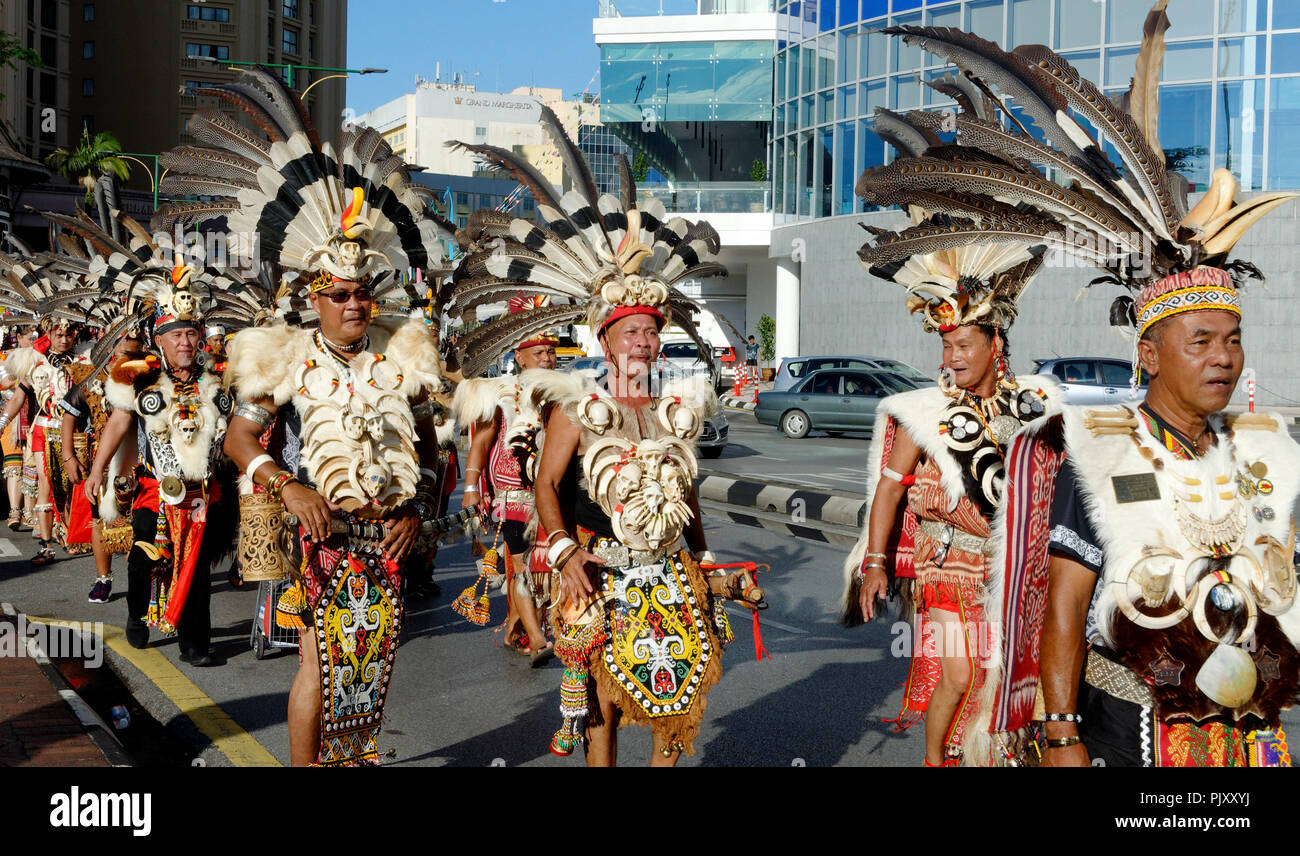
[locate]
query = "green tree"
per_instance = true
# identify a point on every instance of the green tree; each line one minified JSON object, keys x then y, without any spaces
{"x":640,"y":167}
{"x":758,"y":170}
{"x":12,"y":52}
{"x":88,"y":160}
{"x":767,"y":338}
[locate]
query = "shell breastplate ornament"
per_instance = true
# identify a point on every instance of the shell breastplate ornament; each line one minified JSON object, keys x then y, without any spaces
{"x":641,"y":484}
{"x":358,"y":432}
{"x":1197,"y":539}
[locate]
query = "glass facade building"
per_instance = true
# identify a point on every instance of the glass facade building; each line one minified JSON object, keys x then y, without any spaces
{"x":1229,"y":92}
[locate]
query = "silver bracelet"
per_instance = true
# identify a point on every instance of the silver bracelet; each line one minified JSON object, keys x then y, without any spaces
{"x":258,"y":415}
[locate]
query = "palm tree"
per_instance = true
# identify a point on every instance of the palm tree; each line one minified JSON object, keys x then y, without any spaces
{"x":94,"y":158}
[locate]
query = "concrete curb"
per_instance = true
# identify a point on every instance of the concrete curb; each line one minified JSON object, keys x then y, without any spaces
{"x":798,"y":504}
{"x":91,"y":722}
{"x":737,"y":402}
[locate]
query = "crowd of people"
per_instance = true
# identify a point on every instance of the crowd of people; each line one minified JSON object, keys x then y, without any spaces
{"x":1111,"y":584}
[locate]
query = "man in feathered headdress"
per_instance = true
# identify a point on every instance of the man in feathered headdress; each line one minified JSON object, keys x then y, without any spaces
{"x":180,"y":513}
{"x":505,"y":442}
{"x":942,"y":450}
{"x":351,"y":370}
{"x":637,"y":622}
{"x":1146,"y":548}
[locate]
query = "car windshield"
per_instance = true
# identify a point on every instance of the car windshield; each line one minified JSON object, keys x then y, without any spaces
{"x":895,"y":382}
{"x":902,"y":369}
{"x":680,"y":351}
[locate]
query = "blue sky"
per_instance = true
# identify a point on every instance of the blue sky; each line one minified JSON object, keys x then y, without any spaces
{"x":508,"y":42}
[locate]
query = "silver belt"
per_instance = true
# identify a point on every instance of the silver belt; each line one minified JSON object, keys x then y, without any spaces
{"x":524,"y":496}
{"x":619,"y":555}
{"x":951,"y":536}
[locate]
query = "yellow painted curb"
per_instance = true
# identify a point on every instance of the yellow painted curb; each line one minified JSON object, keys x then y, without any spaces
{"x":230,"y":740}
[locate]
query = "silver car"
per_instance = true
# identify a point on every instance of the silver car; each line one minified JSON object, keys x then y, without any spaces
{"x":1091,"y":380}
{"x":794,"y":369}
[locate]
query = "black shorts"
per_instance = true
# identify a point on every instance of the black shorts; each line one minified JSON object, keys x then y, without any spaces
{"x":512,"y":532}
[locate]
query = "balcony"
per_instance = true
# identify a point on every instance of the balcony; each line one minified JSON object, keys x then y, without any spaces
{"x":643,"y":8}
{"x":712,"y":197}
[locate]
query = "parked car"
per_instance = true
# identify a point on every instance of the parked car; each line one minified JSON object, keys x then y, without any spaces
{"x":794,"y":369}
{"x":685,"y":358}
{"x":1091,"y":380}
{"x":832,"y":400}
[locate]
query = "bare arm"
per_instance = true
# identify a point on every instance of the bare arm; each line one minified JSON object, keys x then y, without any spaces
{"x":120,"y":423}
{"x":71,"y":466}
{"x":558,"y":450}
{"x":903,"y":458}
{"x":15,"y":403}
{"x":1069,"y":592}
{"x":485,"y":434}
{"x":243,"y":445}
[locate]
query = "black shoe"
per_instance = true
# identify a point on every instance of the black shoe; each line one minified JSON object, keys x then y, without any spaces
{"x":137,"y":636}
{"x":194,"y":658}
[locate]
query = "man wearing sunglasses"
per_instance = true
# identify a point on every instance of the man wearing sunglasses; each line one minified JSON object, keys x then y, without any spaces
{"x":356,"y":394}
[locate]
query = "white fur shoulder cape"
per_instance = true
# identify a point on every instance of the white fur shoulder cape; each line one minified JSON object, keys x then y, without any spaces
{"x":918,"y":412}
{"x":263,"y":360}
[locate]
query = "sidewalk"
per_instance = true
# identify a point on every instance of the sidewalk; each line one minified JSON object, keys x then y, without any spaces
{"x":38,"y":728}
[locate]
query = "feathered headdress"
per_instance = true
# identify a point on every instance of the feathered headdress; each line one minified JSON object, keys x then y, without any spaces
{"x":291,"y":200}
{"x":988,"y":190}
{"x":597,"y":257}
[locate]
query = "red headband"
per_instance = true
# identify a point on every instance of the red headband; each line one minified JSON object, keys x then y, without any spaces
{"x":627,"y":311}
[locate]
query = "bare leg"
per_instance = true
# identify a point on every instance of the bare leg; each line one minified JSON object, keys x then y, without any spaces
{"x":103,"y":558}
{"x":305,"y":704}
{"x":657,"y":756}
{"x":526,"y":608}
{"x":15,"y":486}
{"x":44,"y":519}
{"x":602,"y":738}
{"x":954,"y":681}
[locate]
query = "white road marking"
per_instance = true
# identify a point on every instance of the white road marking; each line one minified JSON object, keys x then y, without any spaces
{"x":7,"y":548}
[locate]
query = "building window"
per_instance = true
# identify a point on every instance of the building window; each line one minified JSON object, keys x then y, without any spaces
{"x":311,"y":13}
{"x":311,"y":46}
{"x":49,"y":90}
{"x":289,"y":41}
{"x":49,"y":15}
{"x":270,"y":33}
{"x":208,"y":13}
{"x":87,"y":86}
{"x":87,"y":50}
{"x":88,"y":11}
{"x":291,"y":8}
{"x":201,"y":49}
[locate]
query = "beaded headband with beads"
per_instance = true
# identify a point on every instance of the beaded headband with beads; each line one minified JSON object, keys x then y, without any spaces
{"x":1194,"y":290}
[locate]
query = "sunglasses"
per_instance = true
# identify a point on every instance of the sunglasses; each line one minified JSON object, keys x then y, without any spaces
{"x":361,"y":295}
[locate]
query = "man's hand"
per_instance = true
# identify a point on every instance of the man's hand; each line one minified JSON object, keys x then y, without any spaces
{"x":575,"y":579}
{"x":403,"y":527}
{"x":470,"y":499}
{"x":72,"y":467}
{"x":311,"y":509}
{"x":92,"y":485}
{"x":874,"y":585}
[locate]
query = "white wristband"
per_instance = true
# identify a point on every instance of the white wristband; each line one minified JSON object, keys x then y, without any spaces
{"x":255,"y":463}
{"x":891,"y":474}
{"x":557,"y":549}
{"x":471,"y":489}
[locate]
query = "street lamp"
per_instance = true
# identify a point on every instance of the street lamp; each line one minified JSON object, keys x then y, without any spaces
{"x":289,"y":77}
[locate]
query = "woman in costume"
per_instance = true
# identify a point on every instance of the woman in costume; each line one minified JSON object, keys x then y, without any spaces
{"x":351,"y":369}
{"x":1145,"y":547}
{"x":637,"y":624}
{"x":941,"y":449}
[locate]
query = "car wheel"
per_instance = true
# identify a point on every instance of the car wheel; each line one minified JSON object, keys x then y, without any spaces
{"x":795,"y":424}
{"x":712,"y":452}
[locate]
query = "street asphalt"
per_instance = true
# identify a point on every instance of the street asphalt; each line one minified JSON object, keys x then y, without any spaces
{"x":457,"y":700}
